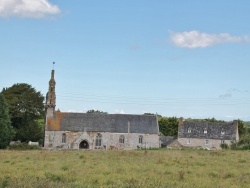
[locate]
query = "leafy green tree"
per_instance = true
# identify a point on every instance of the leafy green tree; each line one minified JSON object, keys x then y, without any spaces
{"x":242,"y":128}
{"x":25,"y":108}
{"x":151,"y":114}
{"x":6,"y":131}
{"x":96,"y":112}
{"x":206,"y":119}
{"x":168,"y":126}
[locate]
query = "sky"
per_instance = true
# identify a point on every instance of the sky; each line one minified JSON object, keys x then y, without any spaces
{"x":178,"y":58}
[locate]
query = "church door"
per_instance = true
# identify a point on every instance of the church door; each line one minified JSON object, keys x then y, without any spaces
{"x":84,"y":145}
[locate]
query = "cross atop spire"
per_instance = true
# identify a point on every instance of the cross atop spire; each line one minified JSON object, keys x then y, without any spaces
{"x":53,"y":65}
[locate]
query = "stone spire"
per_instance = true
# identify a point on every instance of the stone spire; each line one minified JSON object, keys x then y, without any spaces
{"x":51,"y":96}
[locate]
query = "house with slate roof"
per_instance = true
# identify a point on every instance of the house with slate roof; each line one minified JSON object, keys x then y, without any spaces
{"x":207,"y":135}
{"x":97,"y":131}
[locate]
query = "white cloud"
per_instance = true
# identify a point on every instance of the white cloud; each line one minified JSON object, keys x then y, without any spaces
{"x":72,"y":110}
{"x":119,"y":111}
{"x":27,"y":8}
{"x":196,"y":39}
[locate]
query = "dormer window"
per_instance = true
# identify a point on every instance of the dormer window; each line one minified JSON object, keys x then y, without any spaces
{"x":189,"y":130}
{"x":205,"y":131}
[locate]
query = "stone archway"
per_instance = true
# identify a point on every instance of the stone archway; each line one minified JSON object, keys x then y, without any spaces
{"x":84,"y":145}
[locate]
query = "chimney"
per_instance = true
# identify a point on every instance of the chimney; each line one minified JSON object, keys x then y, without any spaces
{"x":181,"y":120}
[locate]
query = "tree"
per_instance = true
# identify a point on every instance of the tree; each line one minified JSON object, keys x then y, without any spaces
{"x":151,"y":114}
{"x":96,"y":112}
{"x":242,"y":128}
{"x":168,"y":126}
{"x":6,"y":131}
{"x":25,"y":108}
{"x":206,"y":119}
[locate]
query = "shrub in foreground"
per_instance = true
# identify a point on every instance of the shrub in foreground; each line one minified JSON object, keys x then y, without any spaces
{"x":224,"y":146}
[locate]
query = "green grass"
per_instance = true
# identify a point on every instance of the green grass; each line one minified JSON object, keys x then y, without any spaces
{"x":140,"y":168}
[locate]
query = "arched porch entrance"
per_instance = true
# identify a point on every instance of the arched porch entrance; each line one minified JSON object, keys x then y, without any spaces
{"x":84,"y":145}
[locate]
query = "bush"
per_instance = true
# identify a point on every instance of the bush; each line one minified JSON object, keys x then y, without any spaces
{"x":246,"y":147}
{"x":224,"y":146}
{"x":243,"y":144}
{"x":23,"y":146}
{"x":234,"y":146}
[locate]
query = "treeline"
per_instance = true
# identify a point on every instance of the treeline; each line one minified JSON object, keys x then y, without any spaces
{"x":21,"y":115}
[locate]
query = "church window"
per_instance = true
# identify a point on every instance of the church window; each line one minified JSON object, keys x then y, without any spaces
{"x":205,"y":131}
{"x":140,"y":139}
{"x":98,"y":140}
{"x":189,"y":130}
{"x":63,"y":138}
{"x":222,"y":132}
{"x":121,"y":139}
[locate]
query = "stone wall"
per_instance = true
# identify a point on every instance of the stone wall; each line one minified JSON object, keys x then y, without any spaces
{"x":53,"y":140}
{"x":203,"y":143}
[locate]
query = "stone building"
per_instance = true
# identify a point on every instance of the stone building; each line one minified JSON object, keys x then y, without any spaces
{"x":205,"y":134}
{"x":97,"y":131}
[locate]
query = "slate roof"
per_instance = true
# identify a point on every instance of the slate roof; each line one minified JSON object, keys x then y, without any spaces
{"x":117,"y":123}
{"x":214,"y":130}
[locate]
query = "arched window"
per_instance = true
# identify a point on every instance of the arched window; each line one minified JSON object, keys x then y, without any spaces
{"x":98,"y":140}
{"x":189,"y":130}
{"x":140,"y":139}
{"x":121,"y":139}
{"x":205,"y":131}
{"x":63,"y":138}
{"x":222,"y":132}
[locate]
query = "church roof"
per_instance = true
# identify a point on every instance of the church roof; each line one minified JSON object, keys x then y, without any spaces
{"x":208,"y":130}
{"x":93,"y":122}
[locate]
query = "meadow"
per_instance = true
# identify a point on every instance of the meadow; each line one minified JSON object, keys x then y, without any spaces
{"x":137,"y":168}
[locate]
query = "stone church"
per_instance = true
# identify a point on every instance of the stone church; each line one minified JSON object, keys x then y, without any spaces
{"x":97,"y":131}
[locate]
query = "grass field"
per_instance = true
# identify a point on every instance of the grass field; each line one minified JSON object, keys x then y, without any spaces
{"x":140,"y":168}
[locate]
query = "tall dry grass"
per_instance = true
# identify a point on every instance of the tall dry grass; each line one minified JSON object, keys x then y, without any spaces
{"x":140,"y":168}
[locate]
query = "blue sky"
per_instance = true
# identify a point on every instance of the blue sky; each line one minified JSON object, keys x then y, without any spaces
{"x":174,"y":58}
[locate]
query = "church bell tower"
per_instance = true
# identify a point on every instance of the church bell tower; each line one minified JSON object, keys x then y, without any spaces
{"x":51,"y":97}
